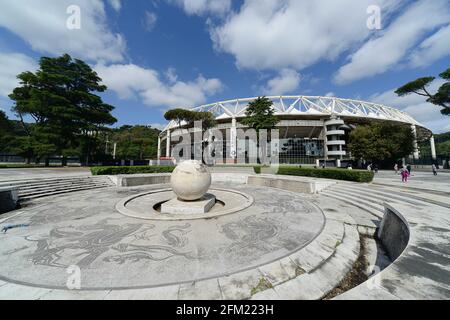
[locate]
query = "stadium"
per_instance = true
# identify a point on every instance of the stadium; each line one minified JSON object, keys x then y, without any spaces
{"x":312,"y":129}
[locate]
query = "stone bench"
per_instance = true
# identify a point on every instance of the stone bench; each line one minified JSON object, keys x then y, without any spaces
{"x":133,"y":180}
{"x":417,"y":239}
{"x":290,"y":183}
{"x":9,"y":198}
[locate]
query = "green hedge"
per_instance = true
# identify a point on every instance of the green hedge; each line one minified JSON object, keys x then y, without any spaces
{"x":337,"y":174}
{"x":98,"y":171}
{"x":257,"y":169}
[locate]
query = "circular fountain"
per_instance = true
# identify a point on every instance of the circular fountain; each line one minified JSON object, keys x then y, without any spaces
{"x":190,"y":197}
{"x":190,"y":181}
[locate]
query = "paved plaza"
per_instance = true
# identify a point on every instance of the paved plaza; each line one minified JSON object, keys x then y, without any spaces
{"x":287,"y":245}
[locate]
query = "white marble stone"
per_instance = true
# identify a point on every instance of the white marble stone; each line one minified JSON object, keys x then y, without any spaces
{"x":190,"y":180}
{"x":176,"y":206}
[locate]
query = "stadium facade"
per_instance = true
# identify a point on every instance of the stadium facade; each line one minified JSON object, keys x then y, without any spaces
{"x":311,"y":128}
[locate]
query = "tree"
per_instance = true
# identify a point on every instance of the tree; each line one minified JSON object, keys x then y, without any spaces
{"x":5,"y":132}
{"x":13,"y":139}
{"x":189,"y":117}
{"x":178,"y":115}
{"x":442,"y":143}
{"x":61,"y":99}
{"x":419,"y":86}
{"x":260,"y":114}
{"x":206,"y":118}
{"x":381,"y":142}
{"x":135,"y":142}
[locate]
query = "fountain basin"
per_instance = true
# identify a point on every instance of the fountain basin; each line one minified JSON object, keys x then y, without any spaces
{"x":178,"y":206}
{"x":148,"y":205}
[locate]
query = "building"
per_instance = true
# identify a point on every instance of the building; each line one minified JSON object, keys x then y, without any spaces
{"x":310,"y":128}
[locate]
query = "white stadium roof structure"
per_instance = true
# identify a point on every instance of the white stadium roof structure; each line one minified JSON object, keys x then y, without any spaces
{"x":310,"y":106}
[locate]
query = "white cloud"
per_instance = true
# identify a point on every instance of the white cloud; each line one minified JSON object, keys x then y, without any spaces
{"x":171,"y":75}
{"x":273,"y":34}
{"x":432,"y":49}
{"x":416,"y":106}
{"x":116,"y":4}
{"x":150,"y":20}
{"x":378,"y":55}
{"x":11,"y":64}
{"x":330,"y":94}
{"x":130,"y":80}
{"x":203,"y":7}
{"x":287,"y":81}
{"x":42,"y":24}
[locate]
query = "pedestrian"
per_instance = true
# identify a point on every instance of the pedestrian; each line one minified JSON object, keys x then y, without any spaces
{"x":369,"y":167}
{"x":433,"y":167}
{"x":396,"y":168}
{"x":408,"y":167}
{"x":375,"y":168}
{"x":404,"y":173}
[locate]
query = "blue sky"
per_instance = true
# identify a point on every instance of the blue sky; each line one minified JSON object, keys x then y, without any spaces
{"x":155,"y":55}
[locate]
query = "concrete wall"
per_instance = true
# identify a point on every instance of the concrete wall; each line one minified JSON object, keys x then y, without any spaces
{"x":140,"y":179}
{"x":280,"y":183}
{"x":394,"y":232}
{"x":9,"y":198}
{"x":290,"y":183}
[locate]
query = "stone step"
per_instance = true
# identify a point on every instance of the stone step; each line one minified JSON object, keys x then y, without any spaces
{"x":43,"y":178}
{"x":394,"y":195}
{"x":57,"y":192}
{"x":38,"y":188}
{"x":408,"y":187}
{"x":254,"y":282}
{"x":384,"y":194}
{"x":367,"y":196}
{"x":318,"y":282}
{"x":41,"y":182}
{"x":427,"y":197}
{"x":372,"y":208}
{"x":62,"y":185}
{"x":52,"y":188}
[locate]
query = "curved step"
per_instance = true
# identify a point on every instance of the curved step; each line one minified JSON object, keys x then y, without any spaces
{"x":42,"y":187}
{"x":42,"y":195}
{"x":373,"y":208}
{"x":380,"y":195}
{"x":44,"y":182}
{"x":49,"y":189}
{"x":318,"y":282}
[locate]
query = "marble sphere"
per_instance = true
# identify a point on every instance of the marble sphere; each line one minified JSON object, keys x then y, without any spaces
{"x":190,"y":180}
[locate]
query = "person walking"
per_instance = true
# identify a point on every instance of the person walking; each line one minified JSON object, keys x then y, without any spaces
{"x":434,"y":168}
{"x":408,"y":167}
{"x":396,"y":168}
{"x":405,"y":174}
